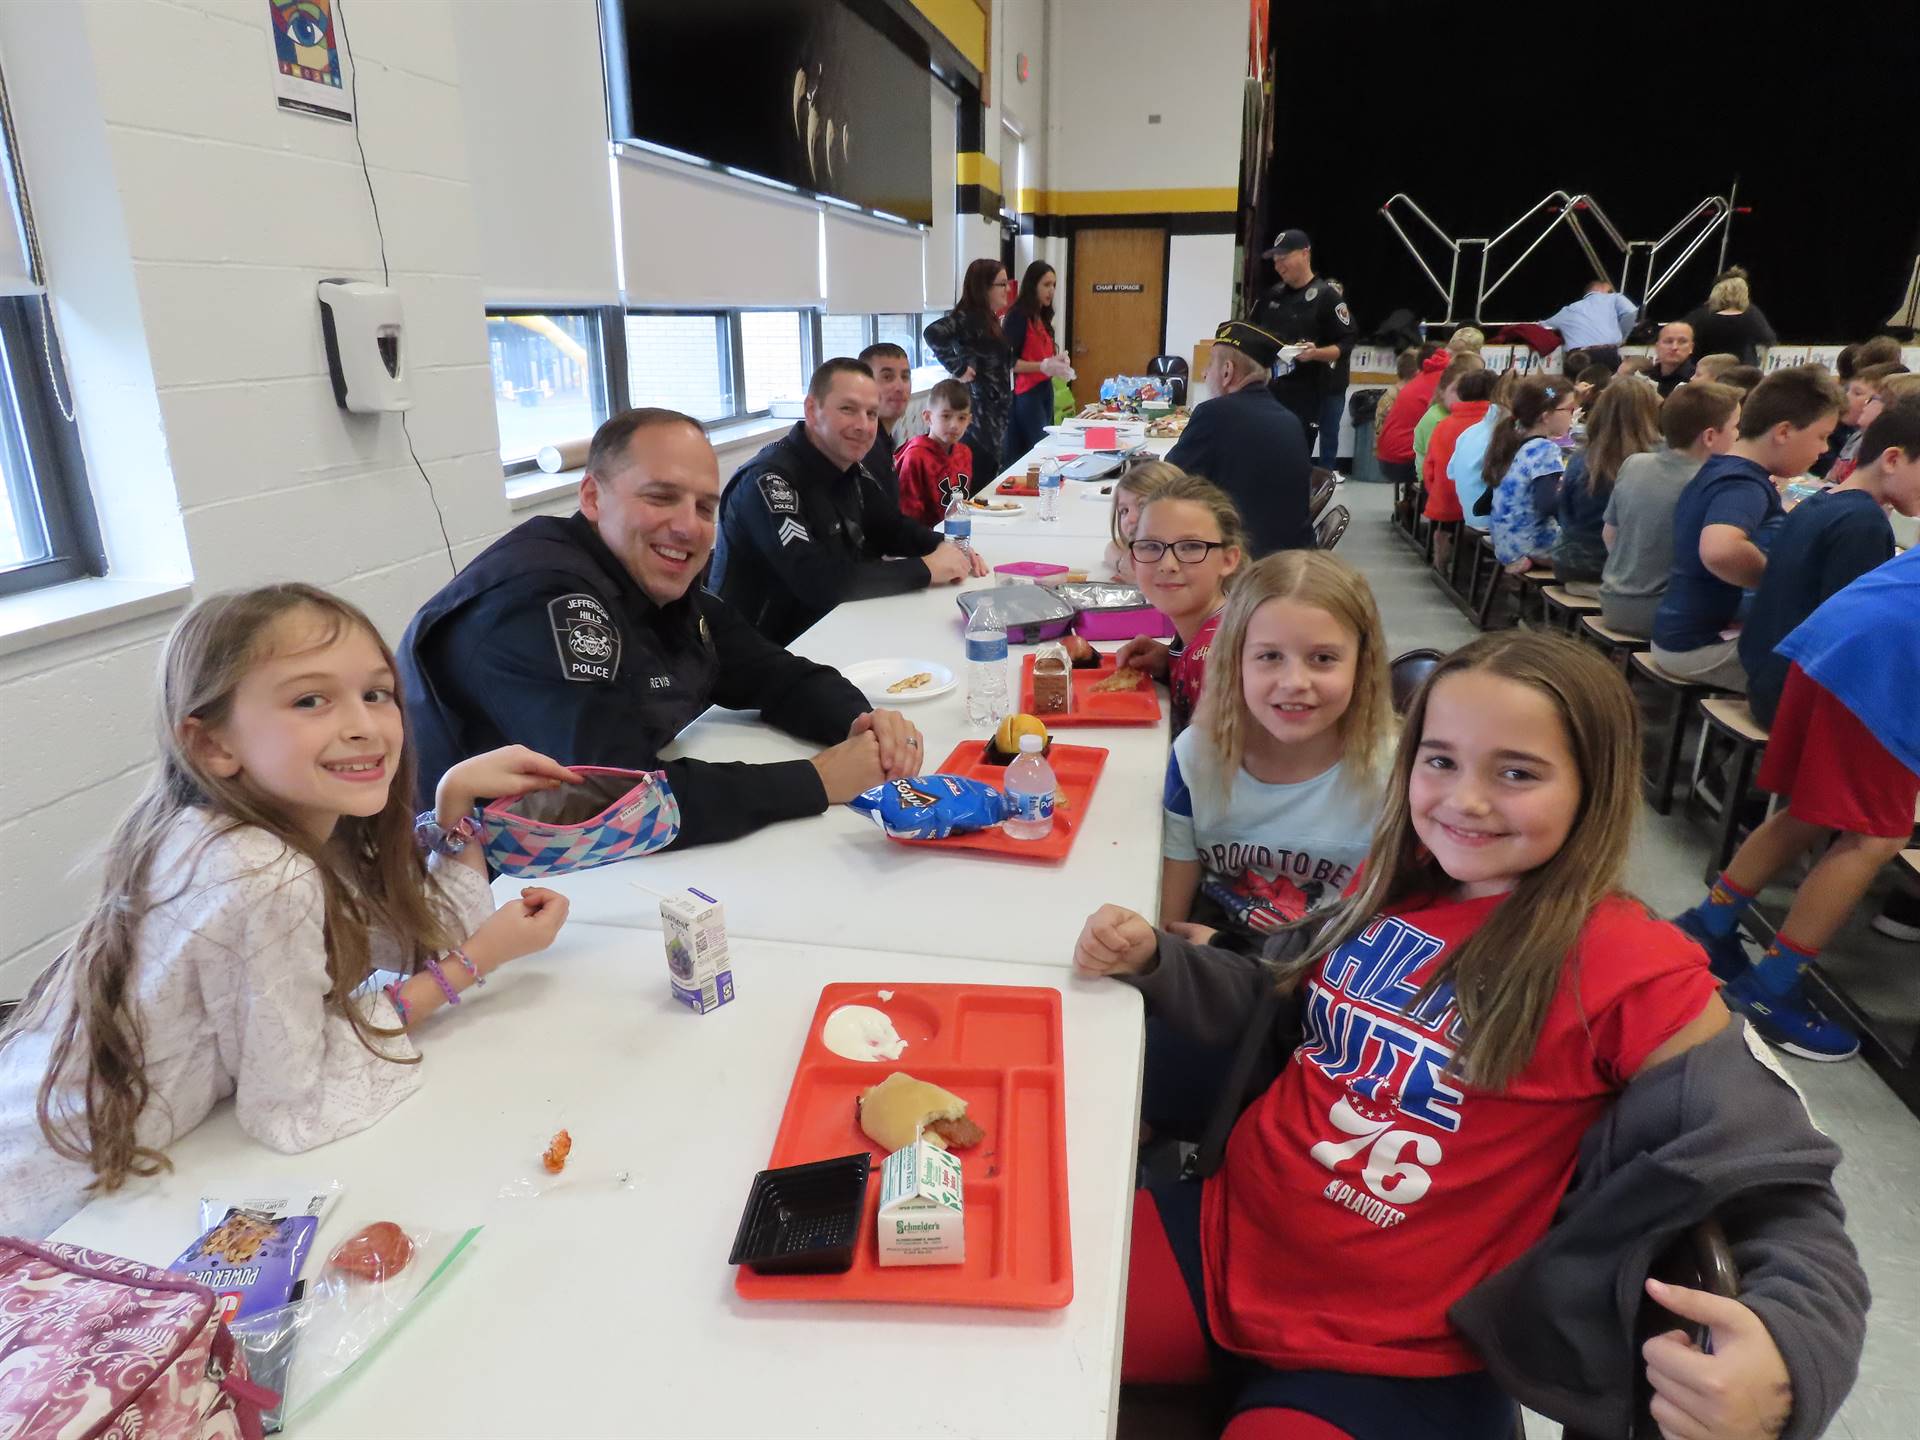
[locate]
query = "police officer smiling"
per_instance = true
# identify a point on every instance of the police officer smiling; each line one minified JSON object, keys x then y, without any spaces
{"x":1304,"y":307}
{"x":805,"y":525}
{"x":589,"y":639}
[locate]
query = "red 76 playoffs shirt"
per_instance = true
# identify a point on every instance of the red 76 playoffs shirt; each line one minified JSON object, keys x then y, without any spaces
{"x":1366,"y":1191}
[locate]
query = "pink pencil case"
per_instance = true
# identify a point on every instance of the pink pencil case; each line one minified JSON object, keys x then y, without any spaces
{"x":1029,"y":569}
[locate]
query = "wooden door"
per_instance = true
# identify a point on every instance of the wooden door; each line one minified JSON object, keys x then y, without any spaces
{"x":1119,"y":304}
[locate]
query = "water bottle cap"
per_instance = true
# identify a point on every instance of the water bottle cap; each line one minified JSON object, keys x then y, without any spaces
{"x":1032,"y":744}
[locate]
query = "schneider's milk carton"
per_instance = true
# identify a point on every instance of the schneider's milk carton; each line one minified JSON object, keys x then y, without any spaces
{"x":697,"y":964}
{"x":922,"y":1219}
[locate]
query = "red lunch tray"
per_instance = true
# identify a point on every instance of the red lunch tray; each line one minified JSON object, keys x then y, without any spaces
{"x":998,"y":1048}
{"x":1075,"y":767}
{"x":1116,"y":707}
{"x":1017,"y":485}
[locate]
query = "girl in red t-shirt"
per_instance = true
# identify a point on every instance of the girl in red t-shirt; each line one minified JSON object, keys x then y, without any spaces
{"x":1186,"y":549}
{"x":1470,"y":1011}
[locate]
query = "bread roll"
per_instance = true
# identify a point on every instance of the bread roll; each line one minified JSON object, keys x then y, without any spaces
{"x":895,"y":1112}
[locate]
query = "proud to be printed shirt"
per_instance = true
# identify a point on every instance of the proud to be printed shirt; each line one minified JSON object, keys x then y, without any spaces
{"x":1268,"y":854}
{"x":1368,"y":1190}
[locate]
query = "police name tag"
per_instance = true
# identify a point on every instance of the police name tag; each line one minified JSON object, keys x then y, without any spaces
{"x":587,"y":638}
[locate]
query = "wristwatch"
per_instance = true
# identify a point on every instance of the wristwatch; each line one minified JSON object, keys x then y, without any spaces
{"x":430,"y":834}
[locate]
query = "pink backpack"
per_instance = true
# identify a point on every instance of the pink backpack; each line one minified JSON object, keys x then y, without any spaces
{"x":95,"y":1346}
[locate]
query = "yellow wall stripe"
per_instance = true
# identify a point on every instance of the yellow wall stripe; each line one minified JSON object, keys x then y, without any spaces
{"x":1129,"y":202}
{"x":972,"y":167}
{"x":964,"y":24}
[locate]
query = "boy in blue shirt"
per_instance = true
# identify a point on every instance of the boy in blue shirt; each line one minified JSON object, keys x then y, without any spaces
{"x":1845,"y":752}
{"x":1827,"y":543}
{"x":1784,"y":426}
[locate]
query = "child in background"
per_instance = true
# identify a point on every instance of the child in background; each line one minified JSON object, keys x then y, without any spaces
{"x":1187,"y":548}
{"x":1466,"y":468}
{"x":1445,"y":396}
{"x":1741,"y":378}
{"x":1133,"y":486}
{"x":1844,"y":750}
{"x":1271,"y":793}
{"x":1723,"y":514}
{"x":265,"y":875}
{"x":1622,"y":423}
{"x":1406,"y":365}
{"x":1697,"y":421}
{"x":933,"y":466}
{"x":1467,"y":340}
{"x":1484,"y":998}
{"x":1710,"y":368}
{"x":1523,"y":464}
{"x":1472,"y":397}
{"x":1393,"y":442}
{"x":1864,"y":400}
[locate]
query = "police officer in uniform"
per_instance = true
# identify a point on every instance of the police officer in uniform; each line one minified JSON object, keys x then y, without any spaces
{"x":804,"y":525}
{"x":1303,"y":307}
{"x":589,"y":639}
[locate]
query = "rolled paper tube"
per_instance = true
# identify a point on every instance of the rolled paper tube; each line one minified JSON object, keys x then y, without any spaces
{"x":570,"y":455}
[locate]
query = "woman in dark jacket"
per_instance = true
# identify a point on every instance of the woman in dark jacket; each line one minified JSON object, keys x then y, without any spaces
{"x":968,"y":340}
{"x":1730,"y":323}
{"x":1029,"y":330}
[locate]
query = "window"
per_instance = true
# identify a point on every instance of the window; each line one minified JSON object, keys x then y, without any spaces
{"x":549,"y":380}
{"x":901,"y":330}
{"x":47,"y":529}
{"x":681,"y":361}
{"x":843,"y":335}
{"x":773,"y":356}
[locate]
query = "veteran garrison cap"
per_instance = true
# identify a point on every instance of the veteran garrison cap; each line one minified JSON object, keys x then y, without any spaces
{"x":1250,"y":340}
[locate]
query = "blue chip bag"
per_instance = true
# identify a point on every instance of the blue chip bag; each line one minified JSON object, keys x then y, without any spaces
{"x":932,"y":807}
{"x":250,"y":1259}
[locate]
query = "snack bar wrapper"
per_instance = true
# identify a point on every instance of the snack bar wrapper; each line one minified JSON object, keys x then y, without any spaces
{"x":932,"y":807}
{"x":250,"y":1258}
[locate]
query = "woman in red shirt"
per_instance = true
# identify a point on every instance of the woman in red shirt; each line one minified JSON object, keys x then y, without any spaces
{"x":1028,"y":325}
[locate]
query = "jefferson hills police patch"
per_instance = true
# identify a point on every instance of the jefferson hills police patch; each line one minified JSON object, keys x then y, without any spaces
{"x":587,"y":639}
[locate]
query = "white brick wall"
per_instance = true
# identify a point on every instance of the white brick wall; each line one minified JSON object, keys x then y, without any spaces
{"x":232,"y":210}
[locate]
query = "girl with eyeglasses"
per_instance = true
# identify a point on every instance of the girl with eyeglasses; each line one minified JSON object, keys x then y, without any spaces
{"x":1186,"y":550}
{"x":1523,"y":468}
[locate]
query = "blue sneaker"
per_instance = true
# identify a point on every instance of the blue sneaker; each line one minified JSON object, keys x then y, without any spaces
{"x":1727,"y":956}
{"x":1790,"y":1022}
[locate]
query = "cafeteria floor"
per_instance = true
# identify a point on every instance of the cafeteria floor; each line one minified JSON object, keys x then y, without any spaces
{"x":1880,"y":1179}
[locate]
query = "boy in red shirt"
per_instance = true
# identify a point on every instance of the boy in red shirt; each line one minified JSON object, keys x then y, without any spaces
{"x":932,"y":466}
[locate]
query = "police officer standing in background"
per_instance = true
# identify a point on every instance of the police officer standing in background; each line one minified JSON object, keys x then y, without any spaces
{"x":804,"y":526}
{"x":1305,"y":309}
{"x":588,"y":638}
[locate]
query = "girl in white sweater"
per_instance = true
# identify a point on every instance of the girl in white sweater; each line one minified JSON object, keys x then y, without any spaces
{"x":267,"y":873}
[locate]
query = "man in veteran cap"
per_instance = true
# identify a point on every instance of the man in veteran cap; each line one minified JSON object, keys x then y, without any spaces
{"x":1248,"y":443}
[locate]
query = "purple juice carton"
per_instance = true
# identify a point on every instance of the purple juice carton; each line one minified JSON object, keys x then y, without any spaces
{"x":697,"y":965}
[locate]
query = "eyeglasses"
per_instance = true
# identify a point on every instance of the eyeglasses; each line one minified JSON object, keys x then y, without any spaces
{"x":1187,"y":552}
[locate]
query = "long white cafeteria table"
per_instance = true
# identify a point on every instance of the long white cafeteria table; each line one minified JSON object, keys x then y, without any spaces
{"x":834,"y":879}
{"x":605,"y":1306}
{"x":1083,"y":512}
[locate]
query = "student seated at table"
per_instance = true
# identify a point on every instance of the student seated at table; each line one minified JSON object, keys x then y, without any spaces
{"x":1133,"y":486}
{"x":1272,"y":792}
{"x":1249,"y":443}
{"x":934,"y":466}
{"x":1486,"y":1009}
{"x":1621,"y":423}
{"x":1469,"y":397}
{"x":1740,"y":378}
{"x":1697,"y":421}
{"x":1865,"y":398}
{"x":1727,"y":509}
{"x":1522,"y":467}
{"x":589,"y":638}
{"x":266,"y":873}
{"x":1445,"y":394}
{"x":1412,"y":398}
{"x":1710,"y":368}
{"x":893,"y":374}
{"x":803,"y":526}
{"x":1186,"y":552}
{"x":1466,"y":466}
{"x":1844,"y":752}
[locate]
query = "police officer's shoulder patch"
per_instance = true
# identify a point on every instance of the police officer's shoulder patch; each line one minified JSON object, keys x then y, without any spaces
{"x":586,"y":637}
{"x":778,"y":492}
{"x":1342,"y":314}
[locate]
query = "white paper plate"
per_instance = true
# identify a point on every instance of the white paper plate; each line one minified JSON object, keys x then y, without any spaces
{"x":992,"y":515}
{"x":874,"y":676}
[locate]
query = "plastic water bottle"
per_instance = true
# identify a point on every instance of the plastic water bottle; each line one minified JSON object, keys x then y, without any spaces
{"x":987,"y":702}
{"x":1029,"y":790}
{"x":958,"y":524}
{"x":1050,"y":489}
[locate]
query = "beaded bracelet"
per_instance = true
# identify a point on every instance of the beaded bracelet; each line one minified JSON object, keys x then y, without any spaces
{"x":472,"y":973}
{"x":399,"y":1003}
{"x":440,"y":979}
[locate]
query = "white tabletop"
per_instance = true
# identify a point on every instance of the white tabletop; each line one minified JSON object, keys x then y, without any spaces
{"x":607,"y":1308}
{"x":1083,"y":511}
{"x":834,"y":879}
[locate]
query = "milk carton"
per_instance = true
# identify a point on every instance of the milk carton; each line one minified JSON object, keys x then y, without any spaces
{"x":697,"y":964}
{"x":922,"y":1218}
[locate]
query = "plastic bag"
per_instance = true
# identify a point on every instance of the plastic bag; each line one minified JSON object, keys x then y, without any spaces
{"x":355,"y":1300}
{"x":931,"y":807}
